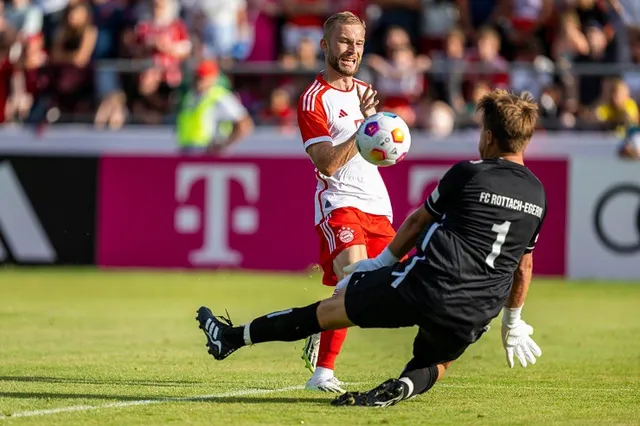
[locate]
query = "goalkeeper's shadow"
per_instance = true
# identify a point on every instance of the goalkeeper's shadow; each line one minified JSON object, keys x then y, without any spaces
{"x":267,"y":400}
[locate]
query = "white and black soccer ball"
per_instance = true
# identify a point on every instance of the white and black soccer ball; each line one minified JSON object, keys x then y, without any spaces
{"x":383,"y":139}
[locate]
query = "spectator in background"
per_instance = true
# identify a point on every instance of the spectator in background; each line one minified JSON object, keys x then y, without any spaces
{"x":225,"y":32}
{"x":632,"y":78}
{"x":446,"y":83}
{"x":7,"y":39}
{"x":262,"y":16}
{"x":406,"y":14}
{"x":522,"y":20}
{"x":399,"y":75}
{"x":590,"y":86}
{"x":570,"y":41}
{"x":304,"y":19}
{"x":630,"y":146}
{"x":109,"y":17}
{"x":26,"y":19}
{"x":439,"y":18}
{"x":53,"y":16}
{"x":619,"y":111}
{"x":486,"y":62}
{"x":440,"y":120}
{"x":279,"y":112}
{"x":72,"y":71}
{"x":204,"y":109}
{"x":480,"y":88}
{"x":305,"y":56}
{"x":164,"y":40}
{"x":475,"y":14}
{"x":536,"y":74}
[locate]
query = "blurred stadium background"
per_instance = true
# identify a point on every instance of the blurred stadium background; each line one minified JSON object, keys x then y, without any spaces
{"x":112,"y":234}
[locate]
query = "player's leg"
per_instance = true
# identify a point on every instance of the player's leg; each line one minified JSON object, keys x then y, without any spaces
{"x":342,"y":243}
{"x":331,"y":341}
{"x":434,"y":350}
{"x":368,"y":301}
{"x":287,"y":325}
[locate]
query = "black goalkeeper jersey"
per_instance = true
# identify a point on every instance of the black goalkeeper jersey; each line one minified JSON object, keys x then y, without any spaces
{"x":489,"y":214}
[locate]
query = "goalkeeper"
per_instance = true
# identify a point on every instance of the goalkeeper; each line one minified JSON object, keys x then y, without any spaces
{"x":474,"y":236}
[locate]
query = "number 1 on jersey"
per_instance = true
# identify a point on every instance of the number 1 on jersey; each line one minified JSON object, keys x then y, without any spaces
{"x":502,"y":230}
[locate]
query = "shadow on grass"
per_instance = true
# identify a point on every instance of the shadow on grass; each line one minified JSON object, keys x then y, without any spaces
{"x":214,"y":400}
{"x":265,"y":400}
{"x":56,"y":395}
{"x":80,"y":381}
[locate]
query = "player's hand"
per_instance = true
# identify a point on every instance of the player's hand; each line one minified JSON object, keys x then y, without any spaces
{"x":363,"y":266}
{"x":368,"y":101}
{"x":385,"y":258}
{"x":516,"y":339}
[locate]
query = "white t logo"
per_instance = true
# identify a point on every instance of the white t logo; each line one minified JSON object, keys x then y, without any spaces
{"x":216,"y":210}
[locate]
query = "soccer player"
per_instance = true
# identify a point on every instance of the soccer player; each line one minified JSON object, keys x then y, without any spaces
{"x":352,"y":207}
{"x":474,"y":234}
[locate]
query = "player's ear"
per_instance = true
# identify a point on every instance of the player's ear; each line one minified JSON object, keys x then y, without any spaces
{"x":488,"y":137}
{"x":323,"y":45}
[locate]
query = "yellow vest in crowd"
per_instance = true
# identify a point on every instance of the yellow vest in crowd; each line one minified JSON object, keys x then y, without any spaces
{"x":195,"y":126}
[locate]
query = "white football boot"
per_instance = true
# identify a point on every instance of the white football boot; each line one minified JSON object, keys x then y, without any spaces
{"x":323,"y":380}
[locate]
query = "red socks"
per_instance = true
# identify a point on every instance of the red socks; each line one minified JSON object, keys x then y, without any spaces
{"x":331,"y":342}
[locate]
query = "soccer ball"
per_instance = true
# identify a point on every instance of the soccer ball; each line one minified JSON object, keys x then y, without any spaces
{"x":383,"y":139}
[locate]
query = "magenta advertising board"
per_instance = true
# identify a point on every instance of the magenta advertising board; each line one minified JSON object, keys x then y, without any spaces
{"x":257,"y":213}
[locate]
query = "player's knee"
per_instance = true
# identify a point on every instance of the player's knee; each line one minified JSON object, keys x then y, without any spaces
{"x":442,"y":369}
{"x":332,"y":314}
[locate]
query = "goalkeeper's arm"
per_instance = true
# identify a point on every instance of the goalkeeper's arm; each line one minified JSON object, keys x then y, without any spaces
{"x":516,"y":334}
{"x":521,"y":282}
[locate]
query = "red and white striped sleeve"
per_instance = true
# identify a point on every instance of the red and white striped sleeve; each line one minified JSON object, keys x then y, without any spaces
{"x":312,"y":117}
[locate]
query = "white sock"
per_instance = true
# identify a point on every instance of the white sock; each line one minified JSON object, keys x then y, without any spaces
{"x":322,"y":373}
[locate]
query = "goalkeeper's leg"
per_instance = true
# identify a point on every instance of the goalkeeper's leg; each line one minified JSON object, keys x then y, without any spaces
{"x":368,"y":298}
{"x":434,"y":350}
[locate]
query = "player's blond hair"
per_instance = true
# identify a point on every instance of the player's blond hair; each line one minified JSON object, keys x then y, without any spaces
{"x":511,"y":119}
{"x":344,"y":18}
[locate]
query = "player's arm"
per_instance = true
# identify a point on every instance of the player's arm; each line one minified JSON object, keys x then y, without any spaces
{"x":328,"y":158}
{"x":404,"y":240}
{"x":313,"y":123}
{"x":434,"y":208}
{"x":314,"y":128}
{"x":521,"y":282}
{"x":516,"y":334}
{"x":409,"y":231}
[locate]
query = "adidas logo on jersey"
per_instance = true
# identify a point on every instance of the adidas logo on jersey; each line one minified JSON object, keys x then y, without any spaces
{"x":342,"y":114}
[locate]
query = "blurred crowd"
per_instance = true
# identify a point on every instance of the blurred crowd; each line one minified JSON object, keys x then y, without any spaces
{"x":114,"y":62}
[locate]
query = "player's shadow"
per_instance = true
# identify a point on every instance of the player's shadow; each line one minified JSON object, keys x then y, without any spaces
{"x":89,"y":381}
{"x":55,"y":395}
{"x":213,"y":400}
{"x":265,"y":400}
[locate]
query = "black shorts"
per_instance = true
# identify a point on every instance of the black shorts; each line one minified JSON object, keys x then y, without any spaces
{"x":372,"y":302}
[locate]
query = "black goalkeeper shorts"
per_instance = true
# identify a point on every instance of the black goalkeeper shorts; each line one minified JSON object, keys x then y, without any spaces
{"x":371,"y":301}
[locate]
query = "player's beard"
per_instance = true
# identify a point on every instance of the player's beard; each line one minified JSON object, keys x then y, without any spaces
{"x":334,"y":62}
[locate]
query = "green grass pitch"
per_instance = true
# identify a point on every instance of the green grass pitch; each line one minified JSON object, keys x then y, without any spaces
{"x":82,"y":346}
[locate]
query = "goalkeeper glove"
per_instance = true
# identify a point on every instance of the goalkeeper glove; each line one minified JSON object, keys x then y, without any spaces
{"x":516,"y":338}
{"x":386,"y":258}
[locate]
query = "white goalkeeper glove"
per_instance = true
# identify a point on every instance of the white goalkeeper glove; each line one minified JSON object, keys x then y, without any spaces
{"x":386,"y":258}
{"x":516,"y":338}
